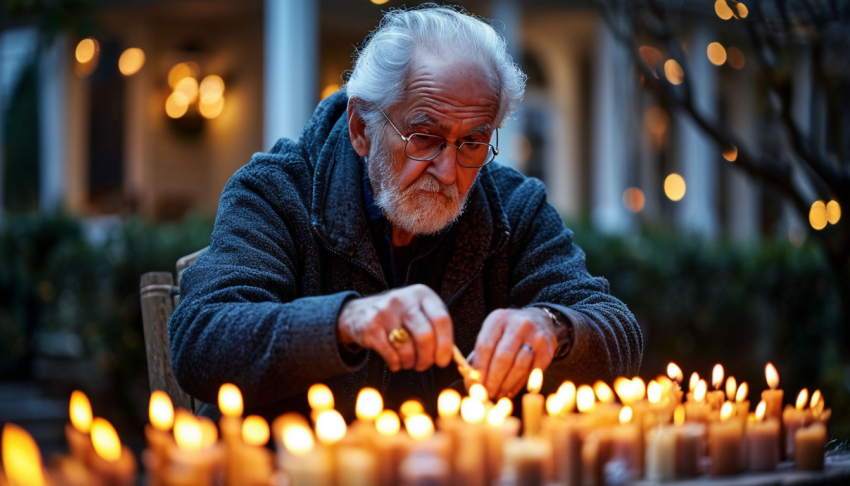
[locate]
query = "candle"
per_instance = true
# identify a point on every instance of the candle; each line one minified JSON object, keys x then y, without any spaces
{"x":696,"y":409}
{"x":158,"y":434}
{"x":389,"y":446}
{"x":773,"y":396}
{"x":195,"y":459}
{"x":716,"y":397}
{"x":674,"y":372}
{"x":690,"y":445}
{"x":320,"y":398}
{"x":367,"y":408}
{"x":77,"y":433}
{"x":724,"y":443}
{"x":565,"y":431}
{"x":794,"y":418}
{"x":448,"y":408}
{"x":252,"y":461}
{"x":763,"y":440}
{"x":607,"y":412}
{"x":500,"y":427}
{"x":112,"y":462}
{"x":355,"y":467}
{"x":305,"y":464}
{"x":661,"y":453}
{"x":410,"y":407}
{"x":532,"y":404}
{"x":21,"y":458}
{"x":330,"y":430}
{"x":525,"y":458}
{"x":742,"y":405}
{"x":231,"y":406}
{"x":424,"y":468}
{"x":809,"y":443}
{"x":469,"y":467}
{"x":626,"y":448}
{"x":595,"y":454}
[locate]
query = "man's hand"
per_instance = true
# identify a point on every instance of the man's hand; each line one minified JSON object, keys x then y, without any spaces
{"x":512,"y":342}
{"x":368,"y":322}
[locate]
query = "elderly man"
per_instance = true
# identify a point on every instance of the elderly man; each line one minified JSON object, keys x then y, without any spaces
{"x":390,"y":213}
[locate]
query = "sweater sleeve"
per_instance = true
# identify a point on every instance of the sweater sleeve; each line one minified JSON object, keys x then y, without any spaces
{"x":239,"y":319}
{"x":547,"y":268}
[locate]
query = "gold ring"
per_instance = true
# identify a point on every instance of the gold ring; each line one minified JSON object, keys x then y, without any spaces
{"x":399,"y":337}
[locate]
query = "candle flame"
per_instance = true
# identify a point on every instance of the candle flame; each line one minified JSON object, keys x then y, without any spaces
{"x":679,"y":415}
{"x":625,"y":414}
{"x":743,"y":391}
{"x":700,"y":391}
{"x":760,"y":410}
{"x":585,"y":399}
{"x":230,"y":400}
{"x":674,"y":372}
{"x":161,"y":411}
{"x":80,"y":411}
{"x":298,"y":439}
{"x":388,"y":422}
{"x":771,"y":375}
{"x":472,"y":411}
{"x":330,"y":427}
{"x":731,"y":387}
{"x":255,"y":431}
{"x":692,"y":382}
{"x":105,"y":440}
{"x":448,"y":403}
{"x":535,"y":380}
{"x":639,"y":388}
{"x":717,"y":376}
{"x":623,"y":389}
{"x":802,"y":399}
{"x":369,"y":404}
{"x":495,"y":417}
{"x":726,"y":411}
{"x":816,"y":399}
{"x":187,"y":431}
{"x":505,"y":405}
{"x":410,"y":408}
{"x":654,"y":391}
{"x":603,"y":392}
{"x":419,"y":426}
{"x":21,"y":457}
{"x":209,"y":432}
{"x":554,"y":404}
{"x":478,"y":392}
{"x":289,"y":419}
{"x":320,"y":397}
{"x":567,"y":391}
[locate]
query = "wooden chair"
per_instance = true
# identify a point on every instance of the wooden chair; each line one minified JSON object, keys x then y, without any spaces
{"x":160,"y":295}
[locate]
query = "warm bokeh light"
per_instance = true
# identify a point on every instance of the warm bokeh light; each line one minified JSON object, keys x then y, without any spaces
{"x":674,"y":372}
{"x":743,"y":11}
{"x":735,"y":58}
{"x":639,"y":388}
{"x":730,"y":153}
{"x":131,"y":61}
{"x":209,"y":432}
{"x":411,"y":407}
{"x":448,"y":403}
{"x":625,"y":414}
{"x":802,"y":399}
{"x":379,"y":2}
{"x":679,"y":415}
{"x":833,"y":212}
{"x":652,"y":57}
{"x":727,"y":411}
{"x":86,"y":50}
{"x":181,"y":71}
{"x":161,"y":411}
{"x":230,"y":400}
{"x":21,"y":457}
{"x":692,"y":382}
{"x":176,"y":105}
{"x":656,"y":121}
{"x":700,"y":390}
{"x":771,"y":375}
{"x":731,"y":387}
{"x":478,"y":392}
{"x":495,"y":417}
{"x":320,"y":397}
{"x":743,"y":391}
{"x":568,"y":391}
{"x":716,"y":53}
{"x":211,"y":110}
{"x":80,"y":411}
{"x":419,"y":426}
{"x":654,"y":391}
{"x":634,"y":200}
{"x":298,"y":439}
{"x":189,"y":87}
{"x":505,"y":405}
{"x":760,"y":410}
{"x":369,"y":404}
{"x":329,"y":90}
{"x":535,"y":380}
{"x":585,"y":399}
{"x":211,"y":89}
{"x":187,"y":431}
{"x":330,"y":427}
{"x":555,"y":404}
{"x":674,"y":72}
{"x":388,"y":423}
{"x":472,"y":411}
{"x":717,"y":376}
{"x":674,"y":187}
{"x":624,"y":389}
{"x":817,"y":215}
{"x":603,"y":392}
{"x":287,"y":420}
{"x":104,"y":440}
{"x":722,"y":10}
{"x":255,"y":431}
{"x":816,"y":399}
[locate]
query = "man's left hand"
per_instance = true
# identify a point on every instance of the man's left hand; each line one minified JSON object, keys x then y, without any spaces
{"x":512,"y":342}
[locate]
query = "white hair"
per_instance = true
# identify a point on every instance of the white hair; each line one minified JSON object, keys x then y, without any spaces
{"x":381,"y":67}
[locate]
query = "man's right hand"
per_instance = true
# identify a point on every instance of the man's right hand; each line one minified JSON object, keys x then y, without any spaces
{"x":368,"y":322}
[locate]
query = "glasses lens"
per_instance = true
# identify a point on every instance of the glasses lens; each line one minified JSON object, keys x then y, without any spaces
{"x":474,"y":154}
{"x":423,"y":147}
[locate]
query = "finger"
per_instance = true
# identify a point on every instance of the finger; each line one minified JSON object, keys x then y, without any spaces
{"x":423,"y":336}
{"x":378,"y":340}
{"x":519,"y":372}
{"x":488,"y":338}
{"x":436,"y":312}
{"x":406,"y":352}
{"x":503,"y":360}
{"x":543,"y":353}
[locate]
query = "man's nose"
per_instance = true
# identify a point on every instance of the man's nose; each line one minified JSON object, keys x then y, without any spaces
{"x":444,"y":166}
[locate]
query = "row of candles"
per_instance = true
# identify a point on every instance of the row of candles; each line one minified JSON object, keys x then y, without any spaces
{"x":575,"y":436}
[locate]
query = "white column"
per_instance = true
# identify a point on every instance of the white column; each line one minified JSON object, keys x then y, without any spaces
{"x":611,"y":100}
{"x":54,"y":71}
{"x":698,"y":154}
{"x":743,"y":207}
{"x":507,"y":14}
{"x":291,"y":68}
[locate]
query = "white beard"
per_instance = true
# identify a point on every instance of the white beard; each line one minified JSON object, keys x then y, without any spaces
{"x":423,"y":208}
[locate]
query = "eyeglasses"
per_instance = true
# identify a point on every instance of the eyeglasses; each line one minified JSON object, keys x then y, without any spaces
{"x":424,"y":147}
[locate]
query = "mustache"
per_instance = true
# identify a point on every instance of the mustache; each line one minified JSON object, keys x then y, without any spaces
{"x":429,"y":183}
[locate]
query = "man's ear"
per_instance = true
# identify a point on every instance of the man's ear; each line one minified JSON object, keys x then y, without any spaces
{"x":357,"y":128}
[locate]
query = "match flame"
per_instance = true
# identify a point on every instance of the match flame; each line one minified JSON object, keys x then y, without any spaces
{"x":585,"y":399}
{"x":410,"y":408}
{"x":679,"y":415}
{"x":495,"y":417}
{"x":505,"y":405}
{"x":692,"y":383}
{"x":105,"y":440}
{"x":743,"y":391}
{"x":161,"y":411}
{"x":654,"y":391}
{"x":816,"y":398}
{"x":554,"y":404}
{"x":21,"y":457}
{"x":761,"y":409}
{"x":625,"y":414}
{"x":298,"y":439}
{"x":603,"y":392}
{"x":726,"y":411}
{"x":80,"y":411}
{"x":771,"y":375}
{"x":717,"y":376}
{"x":731,"y":387}
{"x":187,"y":431}
{"x":535,"y":380}
{"x":369,"y":404}
{"x":230,"y":400}
{"x":700,"y":391}
{"x":802,"y":399}
{"x":448,"y":403}
{"x":330,"y":427}
{"x":255,"y":431}
{"x":472,"y":411}
{"x":478,"y":392}
{"x":419,"y":426}
{"x":209,"y":432}
{"x":388,"y":423}
{"x":674,"y":372}
{"x":320,"y":397}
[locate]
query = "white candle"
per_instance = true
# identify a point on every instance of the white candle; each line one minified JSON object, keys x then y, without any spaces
{"x":532,"y":404}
